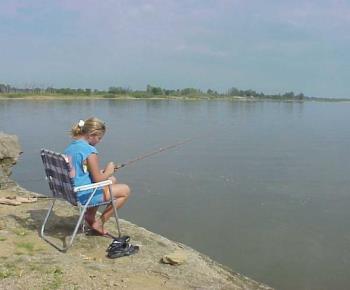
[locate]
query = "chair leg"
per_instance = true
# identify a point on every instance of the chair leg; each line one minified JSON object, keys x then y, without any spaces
{"x":83,"y":224}
{"x":69,"y":244}
{"x":77,"y":227}
{"x":115,"y":211}
{"x":46,"y":219}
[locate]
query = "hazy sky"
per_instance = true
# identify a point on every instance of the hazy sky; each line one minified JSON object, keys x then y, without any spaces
{"x":269,"y":46}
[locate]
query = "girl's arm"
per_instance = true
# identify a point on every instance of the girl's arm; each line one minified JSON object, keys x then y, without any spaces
{"x":94,"y":169}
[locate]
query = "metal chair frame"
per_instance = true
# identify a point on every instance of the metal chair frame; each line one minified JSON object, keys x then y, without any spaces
{"x":61,"y":185}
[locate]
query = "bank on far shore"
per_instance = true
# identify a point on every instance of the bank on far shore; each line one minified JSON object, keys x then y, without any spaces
{"x":47,"y":97}
{"x":76,"y":97}
{"x":27,"y":262}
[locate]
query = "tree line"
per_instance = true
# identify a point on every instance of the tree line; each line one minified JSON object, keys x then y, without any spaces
{"x":150,"y":91}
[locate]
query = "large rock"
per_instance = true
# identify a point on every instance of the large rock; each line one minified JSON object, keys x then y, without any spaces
{"x":10,"y":150}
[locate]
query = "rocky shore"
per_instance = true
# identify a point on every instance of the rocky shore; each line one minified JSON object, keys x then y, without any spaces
{"x":27,"y":262}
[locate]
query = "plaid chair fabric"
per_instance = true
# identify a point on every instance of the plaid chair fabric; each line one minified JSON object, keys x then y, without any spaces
{"x":57,"y":173}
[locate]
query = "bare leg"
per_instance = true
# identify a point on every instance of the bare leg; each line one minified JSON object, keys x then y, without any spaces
{"x":121,"y":193}
{"x":90,"y":215}
{"x":114,"y":179}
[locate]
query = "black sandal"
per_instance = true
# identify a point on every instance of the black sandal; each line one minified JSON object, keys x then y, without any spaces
{"x":125,"y":250}
{"x":118,"y":242}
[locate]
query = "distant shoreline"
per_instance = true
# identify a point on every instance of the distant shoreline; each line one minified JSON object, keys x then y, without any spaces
{"x":37,"y":97}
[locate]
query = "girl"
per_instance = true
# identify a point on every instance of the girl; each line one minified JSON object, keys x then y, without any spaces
{"x":83,"y":157}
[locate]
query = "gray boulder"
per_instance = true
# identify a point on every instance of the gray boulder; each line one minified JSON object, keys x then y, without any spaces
{"x":10,"y":150}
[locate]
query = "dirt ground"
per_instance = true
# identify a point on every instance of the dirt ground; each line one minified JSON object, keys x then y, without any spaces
{"x":28,"y":262}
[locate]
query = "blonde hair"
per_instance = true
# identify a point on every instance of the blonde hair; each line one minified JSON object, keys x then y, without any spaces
{"x":91,"y":126}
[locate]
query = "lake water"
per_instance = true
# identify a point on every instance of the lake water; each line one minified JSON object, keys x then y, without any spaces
{"x":263,"y":188}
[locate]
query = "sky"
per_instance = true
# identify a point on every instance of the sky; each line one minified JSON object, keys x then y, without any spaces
{"x":270,"y":46}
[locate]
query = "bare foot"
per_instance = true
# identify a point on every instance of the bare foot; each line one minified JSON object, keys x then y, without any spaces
{"x":97,"y":226}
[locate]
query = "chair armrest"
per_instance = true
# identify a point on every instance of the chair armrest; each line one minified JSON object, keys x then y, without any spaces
{"x":92,"y":185}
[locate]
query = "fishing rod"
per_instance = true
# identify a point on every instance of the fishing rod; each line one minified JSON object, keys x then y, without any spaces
{"x":127,"y":163}
{"x":118,"y":166}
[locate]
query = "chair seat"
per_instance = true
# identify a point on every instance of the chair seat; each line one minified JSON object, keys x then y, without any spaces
{"x":97,"y":204}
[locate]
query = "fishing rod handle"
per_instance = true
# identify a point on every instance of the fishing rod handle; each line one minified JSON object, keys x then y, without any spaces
{"x":118,"y":166}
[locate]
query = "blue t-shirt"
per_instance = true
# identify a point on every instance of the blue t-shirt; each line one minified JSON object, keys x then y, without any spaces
{"x":77,"y":153}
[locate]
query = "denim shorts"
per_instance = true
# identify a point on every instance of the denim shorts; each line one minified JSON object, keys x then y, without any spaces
{"x":97,"y":198}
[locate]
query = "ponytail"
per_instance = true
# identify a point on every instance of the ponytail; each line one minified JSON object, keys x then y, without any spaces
{"x":91,"y":126}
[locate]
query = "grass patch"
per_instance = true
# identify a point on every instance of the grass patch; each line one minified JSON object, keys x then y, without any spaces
{"x":20,"y":232}
{"x":2,"y":239}
{"x":27,"y":246}
{"x":57,"y":278}
{"x":36,"y":268}
{"x":7,"y":270}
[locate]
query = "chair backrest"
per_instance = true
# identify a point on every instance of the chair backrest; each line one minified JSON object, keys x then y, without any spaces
{"x":57,"y":172}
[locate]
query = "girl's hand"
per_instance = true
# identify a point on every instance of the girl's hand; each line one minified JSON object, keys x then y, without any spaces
{"x":117,"y":167}
{"x":110,"y":168}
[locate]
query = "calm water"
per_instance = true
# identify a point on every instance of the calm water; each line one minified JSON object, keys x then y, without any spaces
{"x":264,"y":189}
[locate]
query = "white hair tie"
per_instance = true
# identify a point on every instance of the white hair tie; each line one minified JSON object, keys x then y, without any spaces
{"x":81,"y":123}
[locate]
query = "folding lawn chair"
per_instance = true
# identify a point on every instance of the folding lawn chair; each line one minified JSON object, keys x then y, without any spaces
{"x":61,"y":185}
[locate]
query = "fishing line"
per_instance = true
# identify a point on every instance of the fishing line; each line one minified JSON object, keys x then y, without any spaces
{"x":149,"y":154}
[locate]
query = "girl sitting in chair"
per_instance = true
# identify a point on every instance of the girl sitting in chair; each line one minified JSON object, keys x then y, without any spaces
{"x":85,"y":169}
